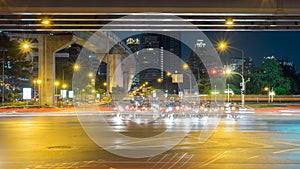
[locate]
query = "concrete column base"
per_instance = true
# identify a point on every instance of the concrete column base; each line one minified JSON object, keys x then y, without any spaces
{"x":48,"y":45}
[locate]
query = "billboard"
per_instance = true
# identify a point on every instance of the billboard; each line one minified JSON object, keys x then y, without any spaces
{"x":27,"y":93}
{"x":177,"y":78}
{"x":71,"y":94}
{"x":63,"y":93}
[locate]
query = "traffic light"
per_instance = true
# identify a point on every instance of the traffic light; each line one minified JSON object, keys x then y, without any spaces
{"x":216,"y":72}
{"x":213,"y":71}
{"x":224,"y":72}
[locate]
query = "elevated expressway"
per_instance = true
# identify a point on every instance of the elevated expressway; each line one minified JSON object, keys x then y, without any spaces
{"x":90,"y":15}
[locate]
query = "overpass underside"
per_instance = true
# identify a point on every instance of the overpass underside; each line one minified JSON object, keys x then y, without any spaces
{"x":90,"y":15}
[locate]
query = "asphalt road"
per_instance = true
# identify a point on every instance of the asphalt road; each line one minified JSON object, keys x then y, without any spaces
{"x":47,"y":140}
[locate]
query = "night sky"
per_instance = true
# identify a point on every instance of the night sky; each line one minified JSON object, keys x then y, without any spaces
{"x":256,"y":44}
{"x":259,"y":44}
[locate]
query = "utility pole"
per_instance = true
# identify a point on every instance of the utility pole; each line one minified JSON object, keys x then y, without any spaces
{"x":3,"y":74}
{"x":228,"y":92}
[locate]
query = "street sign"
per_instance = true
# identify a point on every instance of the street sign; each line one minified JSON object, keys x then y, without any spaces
{"x":243,"y":91}
{"x":180,"y":94}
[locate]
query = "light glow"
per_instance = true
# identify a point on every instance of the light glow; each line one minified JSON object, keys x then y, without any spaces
{"x":222,"y":46}
{"x":25,"y":46}
{"x":229,"y":22}
{"x":185,"y":66}
{"x":228,"y":71}
{"x":46,"y":21}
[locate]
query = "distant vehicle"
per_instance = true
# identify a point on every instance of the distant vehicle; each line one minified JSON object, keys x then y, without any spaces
{"x":173,"y":107}
{"x":90,"y":101}
{"x":231,"y":108}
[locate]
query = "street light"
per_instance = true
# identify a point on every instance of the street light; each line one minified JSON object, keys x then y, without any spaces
{"x":228,"y":71}
{"x":64,"y":86}
{"x":25,"y":46}
{"x":39,"y":81}
{"x":3,"y":74}
{"x":46,"y":21}
{"x":34,"y":92}
{"x":222,"y":46}
{"x":76,"y":67}
{"x":229,"y":21}
{"x":185,"y":67}
{"x":64,"y":92}
{"x":56,"y":83}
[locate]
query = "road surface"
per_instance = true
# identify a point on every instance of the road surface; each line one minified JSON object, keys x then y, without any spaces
{"x":57,"y":140}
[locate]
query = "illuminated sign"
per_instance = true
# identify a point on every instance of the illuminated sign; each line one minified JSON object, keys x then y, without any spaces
{"x":26,"y":93}
{"x":71,"y":94}
{"x":63,"y":93}
{"x":177,"y":78}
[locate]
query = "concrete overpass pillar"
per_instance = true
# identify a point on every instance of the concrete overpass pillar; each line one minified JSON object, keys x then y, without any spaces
{"x":119,"y":73}
{"x":115,"y":75}
{"x":125,"y":79}
{"x":128,"y":69}
{"x":48,"y":45}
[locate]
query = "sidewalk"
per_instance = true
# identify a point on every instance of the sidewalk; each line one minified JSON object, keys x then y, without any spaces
{"x":37,"y":110}
{"x":275,"y":108}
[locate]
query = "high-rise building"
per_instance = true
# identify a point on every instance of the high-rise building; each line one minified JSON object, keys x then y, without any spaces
{"x":197,"y":61}
{"x":151,"y":62}
{"x":236,"y":65}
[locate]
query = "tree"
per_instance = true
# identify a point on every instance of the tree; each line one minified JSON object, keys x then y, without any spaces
{"x":289,"y":71}
{"x":234,"y":81}
{"x":298,"y":80}
{"x":204,"y":86}
{"x":16,"y":66}
{"x":270,"y":75}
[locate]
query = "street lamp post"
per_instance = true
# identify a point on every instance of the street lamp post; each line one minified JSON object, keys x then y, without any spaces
{"x":39,"y":83}
{"x":64,"y":93}
{"x":215,"y":94}
{"x":168,"y":74}
{"x":228,"y":97}
{"x":34,"y":90}
{"x":228,"y":71}
{"x":3,"y":74}
{"x":56,"y":83}
{"x":190,"y":76}
{"x":185,"y":67}
{"x":243,"y":91}
{"x":223,"y":46}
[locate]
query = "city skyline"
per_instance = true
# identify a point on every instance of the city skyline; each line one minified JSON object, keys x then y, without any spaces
{"x":282,"y":45}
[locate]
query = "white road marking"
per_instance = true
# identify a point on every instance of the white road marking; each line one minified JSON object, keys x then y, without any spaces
{"x":287,"y":150}
{"x":214,"y":158}
{"x":253,"y":157}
